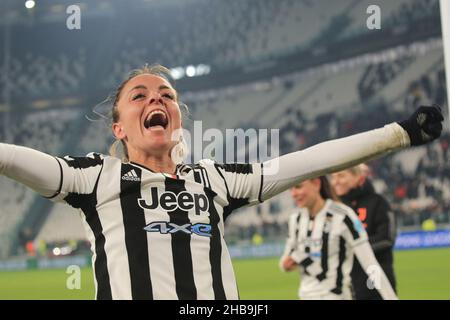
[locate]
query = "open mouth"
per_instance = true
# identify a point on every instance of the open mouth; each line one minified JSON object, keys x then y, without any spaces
{"x":156,"y":119}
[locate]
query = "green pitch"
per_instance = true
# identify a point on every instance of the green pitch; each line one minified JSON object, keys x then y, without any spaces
{"x":421,"y":274}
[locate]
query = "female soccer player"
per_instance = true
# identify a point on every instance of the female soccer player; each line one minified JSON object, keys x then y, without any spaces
{"x":323,"y":237}
{"x":156,"y":225}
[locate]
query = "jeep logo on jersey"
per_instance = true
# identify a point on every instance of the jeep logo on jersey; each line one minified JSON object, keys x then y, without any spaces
{"x":170,"y":201}
{"x":163,"y":227}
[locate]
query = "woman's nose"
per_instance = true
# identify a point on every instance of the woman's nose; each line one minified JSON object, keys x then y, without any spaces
{"x":155,"y":97}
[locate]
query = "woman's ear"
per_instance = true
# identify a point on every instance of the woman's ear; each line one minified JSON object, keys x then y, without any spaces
{"x":317,"y":183}
{"x":118,"y":131}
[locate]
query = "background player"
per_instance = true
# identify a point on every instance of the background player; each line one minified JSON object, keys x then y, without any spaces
{"x":324,"y":235}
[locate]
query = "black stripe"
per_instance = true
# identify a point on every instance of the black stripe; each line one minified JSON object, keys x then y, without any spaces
{"x":135,"y":235}
{"x":324,"y":250}
{"x":227,"y":209}
{"x":223,"y":178}
{"x":297,"y":228}
{"x":181,"y":247}
{"x":339,"y":278}
{"x":60,"y":181}
{"x":233,"y":203}
{"x":261,"y":186}
{"x":242,"y":168}
{"x":308,"y":235}
{"x":305,"y":264}
{"x":185,"y":169}
{"x":87,"y":203}
{"x":101,"y":261}
{"x":215,"y":250}
{"x":84,"y":162}
{"x":348,"y":222}
{"x":197,"y":177}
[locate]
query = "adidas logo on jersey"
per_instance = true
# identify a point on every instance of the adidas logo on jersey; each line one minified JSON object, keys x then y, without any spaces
{"x":131,"y":176}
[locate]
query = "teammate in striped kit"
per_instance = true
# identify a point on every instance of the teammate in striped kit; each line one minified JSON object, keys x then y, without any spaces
{"x":156,"y":225}
{"x":324,"y":235}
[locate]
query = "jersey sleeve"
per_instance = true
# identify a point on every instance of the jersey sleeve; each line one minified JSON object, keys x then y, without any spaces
{"x":242,"y":182}
{"x":79,"y":176}
{"x":52,"y":177}
{"x":352,"y":229}
{"x":34,"y":169}
{"x":286,"y":171}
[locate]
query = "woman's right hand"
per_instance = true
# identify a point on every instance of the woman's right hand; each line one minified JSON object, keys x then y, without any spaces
{"x":288,"y":263}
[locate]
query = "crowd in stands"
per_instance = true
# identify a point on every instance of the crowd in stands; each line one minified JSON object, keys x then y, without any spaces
{"x":239,"y":36}
{"x":395,"y":15}
{"x":41,"y":130}
{"x":411,"y":11}
{"x":35,"y":75}
{"x":312,"y":110}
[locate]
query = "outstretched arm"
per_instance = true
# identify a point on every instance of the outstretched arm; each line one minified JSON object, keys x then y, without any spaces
{"x":281,"y":173}
{"x":51,"y":177}
{"x":37,"y":170}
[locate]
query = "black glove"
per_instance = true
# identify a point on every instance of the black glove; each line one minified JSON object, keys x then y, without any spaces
{"x":424,"y":125}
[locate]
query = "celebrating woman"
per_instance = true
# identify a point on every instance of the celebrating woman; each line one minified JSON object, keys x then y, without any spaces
{"x":156,"y":225}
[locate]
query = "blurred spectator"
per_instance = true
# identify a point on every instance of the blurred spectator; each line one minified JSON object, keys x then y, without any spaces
{"x":356,"y":191}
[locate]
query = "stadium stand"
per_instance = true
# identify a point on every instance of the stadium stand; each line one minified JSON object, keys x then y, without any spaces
{"x":397,"y":13}
{"x":308,"y":106}
{"x":42,"y":130}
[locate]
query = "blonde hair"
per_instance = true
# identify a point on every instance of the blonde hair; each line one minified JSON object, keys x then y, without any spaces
{"x":181,"y":148}
{"x":360,"y":169}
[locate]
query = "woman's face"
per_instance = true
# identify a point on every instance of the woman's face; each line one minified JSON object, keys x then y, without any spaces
{"x":148,"y":115}
{"x":306,"y":194}
{"x":344,"y":181}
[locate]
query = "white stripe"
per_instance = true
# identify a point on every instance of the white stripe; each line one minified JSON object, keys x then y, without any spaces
{"x":200,"y":247}
{"x":202,"y":267}
{"x":319,"y":220}
{"x":114,"y":231}
{"x":162,"y":273}
{"x":228,"y":277}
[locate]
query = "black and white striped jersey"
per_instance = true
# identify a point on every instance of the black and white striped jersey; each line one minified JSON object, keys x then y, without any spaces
{"x":323,"y":247}
{"x":155,"y":235}
{"x":160,"y":236}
